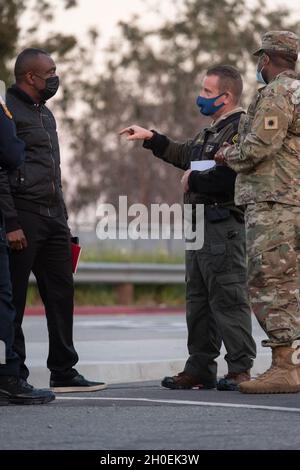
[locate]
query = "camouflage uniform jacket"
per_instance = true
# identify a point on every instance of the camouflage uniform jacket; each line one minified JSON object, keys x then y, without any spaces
{"x":267,"y":155}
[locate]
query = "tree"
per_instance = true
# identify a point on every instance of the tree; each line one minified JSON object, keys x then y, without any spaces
{"x":13,"y":38}
{"x":152,"y":77}
{"x":9,"y":32}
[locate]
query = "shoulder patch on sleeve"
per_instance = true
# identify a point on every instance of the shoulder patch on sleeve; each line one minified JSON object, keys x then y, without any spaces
{"x":271,"y":123}
{"x":235,"y":139}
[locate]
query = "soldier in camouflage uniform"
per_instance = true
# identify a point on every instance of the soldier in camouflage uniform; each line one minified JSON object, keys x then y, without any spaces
{"x":267,"y":160}
{"x":216,"y":292}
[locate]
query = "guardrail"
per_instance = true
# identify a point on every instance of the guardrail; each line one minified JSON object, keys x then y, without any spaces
{"x":126,"y":275}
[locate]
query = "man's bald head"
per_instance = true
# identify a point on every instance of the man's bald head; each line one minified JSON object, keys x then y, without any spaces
{"x":28,"y":61}
{"x":35,"y":73}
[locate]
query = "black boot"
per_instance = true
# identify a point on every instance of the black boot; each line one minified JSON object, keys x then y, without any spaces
{"x":16,"y":391}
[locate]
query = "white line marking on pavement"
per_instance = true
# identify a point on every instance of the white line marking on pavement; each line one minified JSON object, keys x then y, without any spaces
{"x":187,"y":402}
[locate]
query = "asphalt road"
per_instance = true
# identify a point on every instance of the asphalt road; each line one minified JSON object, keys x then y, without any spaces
{"x":146,"y":416}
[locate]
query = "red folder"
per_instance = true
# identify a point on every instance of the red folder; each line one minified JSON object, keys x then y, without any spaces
{"x":76,"y":250}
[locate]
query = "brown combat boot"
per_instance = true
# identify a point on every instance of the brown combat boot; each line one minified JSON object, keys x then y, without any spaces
{"x":282,"y":377}
{"x":184,"y":381}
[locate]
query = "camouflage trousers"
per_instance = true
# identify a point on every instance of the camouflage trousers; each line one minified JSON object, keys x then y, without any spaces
{"x":273,"y":250}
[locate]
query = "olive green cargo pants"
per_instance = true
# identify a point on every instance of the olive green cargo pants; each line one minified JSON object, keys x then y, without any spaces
{"x":217,"y":302}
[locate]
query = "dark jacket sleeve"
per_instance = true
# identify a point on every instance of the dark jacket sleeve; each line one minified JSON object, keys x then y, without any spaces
{"x":65,"y":210}
{"x":63,"y":202}
{"x":219,"y":180}
{"x":7,"y":205}
{"x":11,"y":148}
{"x":178,"y":154}
{"x":11,"y":156}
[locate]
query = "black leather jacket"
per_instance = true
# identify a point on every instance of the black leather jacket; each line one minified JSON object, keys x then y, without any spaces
{"x":36,"y":185}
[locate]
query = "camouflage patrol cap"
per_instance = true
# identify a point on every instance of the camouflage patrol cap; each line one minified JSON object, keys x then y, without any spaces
{"x":280,"y":41}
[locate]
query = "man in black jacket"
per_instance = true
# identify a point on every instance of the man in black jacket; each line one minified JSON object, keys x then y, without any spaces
{"x":216,"y":292}
{"x":13,"y":390}
{"x":36,"y":220}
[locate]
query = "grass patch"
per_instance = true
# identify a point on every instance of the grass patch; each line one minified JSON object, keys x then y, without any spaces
{"x":169,"y":295}
{"x":106,"y":295}
{"x":120,"y":256}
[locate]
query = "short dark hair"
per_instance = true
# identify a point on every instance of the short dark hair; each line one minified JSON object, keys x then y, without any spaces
{"x":23,"y":62}
{"x":282,"y":59}
{"x":229,"y":79}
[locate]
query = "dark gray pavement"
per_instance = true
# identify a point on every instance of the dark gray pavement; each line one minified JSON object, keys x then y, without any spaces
{"x":145,"y":416}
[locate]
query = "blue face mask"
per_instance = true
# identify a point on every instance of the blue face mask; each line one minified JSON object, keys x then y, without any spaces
{"x":260,"y":78}
{"x":207,"y":105}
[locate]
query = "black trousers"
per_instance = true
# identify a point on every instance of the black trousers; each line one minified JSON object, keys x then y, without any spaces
{"x":217,"y":302}
{"x":7,"y":313}
{"x":48,"y":256}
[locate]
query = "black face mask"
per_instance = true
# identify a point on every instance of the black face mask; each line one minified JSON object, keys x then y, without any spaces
{"x":52,"y":85}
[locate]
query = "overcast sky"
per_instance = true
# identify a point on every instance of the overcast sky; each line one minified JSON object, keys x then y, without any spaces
{"x":105,"y":14}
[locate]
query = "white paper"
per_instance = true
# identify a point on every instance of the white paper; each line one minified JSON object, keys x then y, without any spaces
{"x":202,"y":165}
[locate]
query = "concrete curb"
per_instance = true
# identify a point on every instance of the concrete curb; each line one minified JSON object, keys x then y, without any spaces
{"x":114,"y":372}
{"x":126,"y":372}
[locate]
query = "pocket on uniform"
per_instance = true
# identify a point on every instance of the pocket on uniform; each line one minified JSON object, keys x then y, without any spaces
{"x":17,"y":179}
{"x":210,"y":150}
{"x":232,"y":289}
{"x":220,"y":260}
{"x":244,"y":125}
{"x":273,"y":266}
